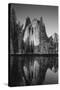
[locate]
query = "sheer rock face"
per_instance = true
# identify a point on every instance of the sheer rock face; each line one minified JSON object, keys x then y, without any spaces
{"x":43,"y":35}
{"x":43,"y":38}
{"x":31,"y":33}
{"x":35,"y":35}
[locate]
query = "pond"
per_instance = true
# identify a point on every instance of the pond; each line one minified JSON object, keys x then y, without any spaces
{"x":34,"y":69}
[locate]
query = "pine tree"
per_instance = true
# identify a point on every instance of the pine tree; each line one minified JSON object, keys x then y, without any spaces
{"x":13,"y":30}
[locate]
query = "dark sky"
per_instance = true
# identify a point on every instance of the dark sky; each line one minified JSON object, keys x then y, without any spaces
{"x":49,"y":14}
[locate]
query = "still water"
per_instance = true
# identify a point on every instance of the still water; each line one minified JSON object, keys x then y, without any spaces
{"x":51,"y":77}
{"x":45,"y":64}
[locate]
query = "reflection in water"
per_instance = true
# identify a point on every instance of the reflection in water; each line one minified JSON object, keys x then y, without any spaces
{"x":51,"y":77}
{"x":33,"y":70}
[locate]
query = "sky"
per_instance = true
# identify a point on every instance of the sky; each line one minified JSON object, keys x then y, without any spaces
{"x":49,"y":14}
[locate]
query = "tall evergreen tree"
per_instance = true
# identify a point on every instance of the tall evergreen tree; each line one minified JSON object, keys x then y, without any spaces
{"x":13,"y":30}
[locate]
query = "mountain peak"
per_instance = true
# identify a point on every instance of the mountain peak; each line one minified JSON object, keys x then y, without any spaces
{"x":55,"y":37}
